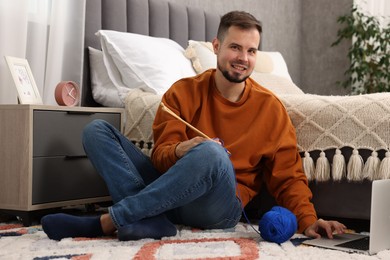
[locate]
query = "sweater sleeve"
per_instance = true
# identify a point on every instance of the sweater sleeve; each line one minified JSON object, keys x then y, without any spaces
{"x":284,"y":176}
{"x":184,"y":98}
{"x":168,"y":132}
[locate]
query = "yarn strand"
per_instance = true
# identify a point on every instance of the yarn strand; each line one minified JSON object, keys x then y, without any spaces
{"x":277,"y":225}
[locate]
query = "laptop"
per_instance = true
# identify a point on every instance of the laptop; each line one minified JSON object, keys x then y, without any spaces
{"x":379,"y":237}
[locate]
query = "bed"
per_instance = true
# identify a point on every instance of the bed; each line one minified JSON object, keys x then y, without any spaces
{"x":331,"y":131}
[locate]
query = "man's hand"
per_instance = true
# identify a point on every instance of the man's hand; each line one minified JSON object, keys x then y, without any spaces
{"x":323,"y":227}
{"x":183,"y":147}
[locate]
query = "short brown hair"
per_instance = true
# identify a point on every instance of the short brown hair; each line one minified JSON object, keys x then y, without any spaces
{"x":240,"y":19}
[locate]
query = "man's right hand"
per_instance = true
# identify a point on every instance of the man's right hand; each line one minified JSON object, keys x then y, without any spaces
{"x":183,"y":147}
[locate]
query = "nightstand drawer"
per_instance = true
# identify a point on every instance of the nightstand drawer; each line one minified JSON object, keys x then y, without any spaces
{"x":60,"y":178}
{"x":58,"y":133}
{"x":42,"y":161}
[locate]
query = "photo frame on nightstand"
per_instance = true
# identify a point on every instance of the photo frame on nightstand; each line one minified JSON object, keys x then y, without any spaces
{"x":24,"y":80}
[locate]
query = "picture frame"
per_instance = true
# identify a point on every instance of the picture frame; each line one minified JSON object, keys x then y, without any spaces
{"x":26,"y":87}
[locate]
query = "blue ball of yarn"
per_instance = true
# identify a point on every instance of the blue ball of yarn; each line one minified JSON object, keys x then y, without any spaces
{"x":278,"y":225}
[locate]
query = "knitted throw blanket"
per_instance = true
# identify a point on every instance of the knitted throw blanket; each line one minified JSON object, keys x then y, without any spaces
{"x":321,"y":122}
{"x":326,"y":122}
{"x":140,"y":110}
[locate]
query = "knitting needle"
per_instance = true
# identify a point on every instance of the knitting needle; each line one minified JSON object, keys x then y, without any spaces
{"x":169,"y":111}
{"x":166,"y":109}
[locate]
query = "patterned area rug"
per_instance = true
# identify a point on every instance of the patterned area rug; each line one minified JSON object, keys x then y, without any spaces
{"x":241,"y":242}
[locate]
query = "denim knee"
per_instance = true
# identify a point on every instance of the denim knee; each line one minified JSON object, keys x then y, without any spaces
{"x":93,"y":126}
{"x":213,"y":153}
{"x":90,"y":130}
{"x":213,"y":159}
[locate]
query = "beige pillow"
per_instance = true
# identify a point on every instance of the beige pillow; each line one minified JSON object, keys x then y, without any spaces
{"x":272,"y":62}
{"x":264,"y":63}
{"x":277,"y":84}
{"x":202,"y":57}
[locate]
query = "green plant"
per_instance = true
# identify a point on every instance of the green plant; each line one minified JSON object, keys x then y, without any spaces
{"x":369,"y":54}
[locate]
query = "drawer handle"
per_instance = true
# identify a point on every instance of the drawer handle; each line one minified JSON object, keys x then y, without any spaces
{"x":80,"y":113}
{"x":73,"y":157}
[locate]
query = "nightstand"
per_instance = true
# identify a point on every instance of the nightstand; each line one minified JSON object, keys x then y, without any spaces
{"x":42,"y":161}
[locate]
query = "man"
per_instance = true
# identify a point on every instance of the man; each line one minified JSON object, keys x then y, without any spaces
{"x":193,"y":180}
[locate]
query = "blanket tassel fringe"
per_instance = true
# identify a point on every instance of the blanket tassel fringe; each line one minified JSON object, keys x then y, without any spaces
{"x":321,"y":170}
{"x":354,"y":171}
{"x":339,"y":170}
{"x":308,"y":166}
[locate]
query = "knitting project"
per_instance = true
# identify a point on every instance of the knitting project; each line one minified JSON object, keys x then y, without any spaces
{"x":321,"y":123}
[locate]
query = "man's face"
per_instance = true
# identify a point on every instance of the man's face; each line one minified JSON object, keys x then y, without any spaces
{"x":236,"y":53}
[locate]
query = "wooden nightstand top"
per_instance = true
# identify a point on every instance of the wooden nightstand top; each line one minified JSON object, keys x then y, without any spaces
{"x":62,"y":108}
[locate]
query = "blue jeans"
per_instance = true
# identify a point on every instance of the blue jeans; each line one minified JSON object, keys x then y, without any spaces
{"x":198,"y":191}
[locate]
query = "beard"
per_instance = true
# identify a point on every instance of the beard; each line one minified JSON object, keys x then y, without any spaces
{"x":235,"y":78}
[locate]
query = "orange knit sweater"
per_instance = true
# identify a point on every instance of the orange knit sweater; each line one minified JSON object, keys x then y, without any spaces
{"x":256,"y":130}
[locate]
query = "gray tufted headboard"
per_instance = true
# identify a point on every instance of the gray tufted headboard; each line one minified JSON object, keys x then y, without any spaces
{"x":157,"y":18}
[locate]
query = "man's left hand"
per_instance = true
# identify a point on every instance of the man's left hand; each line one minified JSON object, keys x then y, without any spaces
{"x":324,"y":227}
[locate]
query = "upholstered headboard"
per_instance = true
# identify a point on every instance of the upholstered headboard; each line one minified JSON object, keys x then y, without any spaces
{"x":157,"y":18}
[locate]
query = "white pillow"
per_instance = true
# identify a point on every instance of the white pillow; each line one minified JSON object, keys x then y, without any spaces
{"x":103,"y":90}
{"x":277,"y":84}
{"x":139,"y":61}
{"x":203,"y":58}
